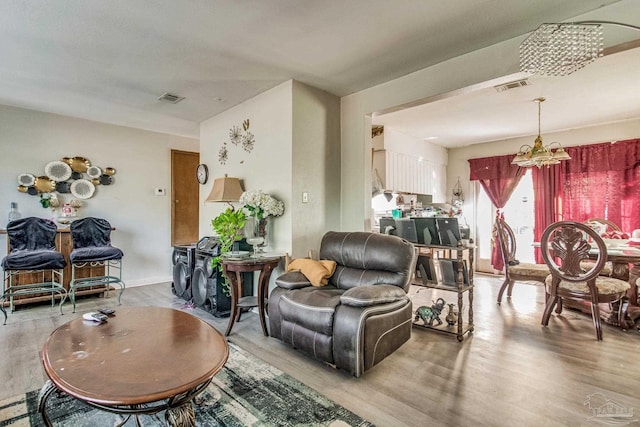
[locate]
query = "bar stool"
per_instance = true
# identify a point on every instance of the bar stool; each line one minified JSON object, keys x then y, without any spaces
{"x":33,"y":266}
{"x":92,"y":248}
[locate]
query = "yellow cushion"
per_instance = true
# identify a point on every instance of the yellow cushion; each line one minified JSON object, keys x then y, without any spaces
{"x":317,"y":272}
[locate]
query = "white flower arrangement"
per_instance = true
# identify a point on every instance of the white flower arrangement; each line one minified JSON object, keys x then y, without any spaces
{"x":261,"y":205}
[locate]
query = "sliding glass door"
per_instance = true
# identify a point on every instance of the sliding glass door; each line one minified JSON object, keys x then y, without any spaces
{"x":518,"y":213}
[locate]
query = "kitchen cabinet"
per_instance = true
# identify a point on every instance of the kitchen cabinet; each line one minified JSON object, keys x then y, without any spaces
{"x":402,"y":173}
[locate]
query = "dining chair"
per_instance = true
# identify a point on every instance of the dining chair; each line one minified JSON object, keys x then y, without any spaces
{"x":514,"y":269}
{"x":565,"y":244}
{"x":604,"y":223}
{"x":601,"y":225}
{"x":92,"y":248}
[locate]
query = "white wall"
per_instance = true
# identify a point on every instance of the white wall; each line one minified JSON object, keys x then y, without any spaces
{"x":316,"y":167}
{"x":30,"y":139}
{"x":267,"y":167}
{"x":296,"y":128}
{"x":490,"y":66}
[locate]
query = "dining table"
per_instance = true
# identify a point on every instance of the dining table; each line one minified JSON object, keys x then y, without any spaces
{"x":625,"y":261}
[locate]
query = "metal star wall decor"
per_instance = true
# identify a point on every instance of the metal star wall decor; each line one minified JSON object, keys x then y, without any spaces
{"x":237,"y":136}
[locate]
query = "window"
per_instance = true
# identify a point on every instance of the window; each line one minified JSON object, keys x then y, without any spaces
{"x":519,"y":214}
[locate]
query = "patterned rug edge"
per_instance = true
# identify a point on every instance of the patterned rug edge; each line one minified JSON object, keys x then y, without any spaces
{"x":247,"y":392}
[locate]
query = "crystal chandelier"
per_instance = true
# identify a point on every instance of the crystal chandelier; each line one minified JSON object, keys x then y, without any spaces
{"x":540,"y":155}
{"x":563,"y":48}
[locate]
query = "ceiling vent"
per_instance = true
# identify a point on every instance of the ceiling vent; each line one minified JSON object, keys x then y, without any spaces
{"x":512,"y":85}
{"x":174,"y":99}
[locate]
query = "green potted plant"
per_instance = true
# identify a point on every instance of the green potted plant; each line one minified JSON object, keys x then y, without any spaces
{"x":228,"y":226}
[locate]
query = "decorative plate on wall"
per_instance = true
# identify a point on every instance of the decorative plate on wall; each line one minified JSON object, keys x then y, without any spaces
{"x":26,"y":179}
{"x":63,"y":187}
{"x":82,"y":189}
{"x":44,"y":184}
{"x":58,"y":171}
{"x":106,"y":180}
{"x":79,"y":164}
{"x":94,"y":172}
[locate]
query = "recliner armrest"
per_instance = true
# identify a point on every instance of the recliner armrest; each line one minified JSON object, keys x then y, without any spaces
{"x":365,"y":296}
{"x":292,"y":280}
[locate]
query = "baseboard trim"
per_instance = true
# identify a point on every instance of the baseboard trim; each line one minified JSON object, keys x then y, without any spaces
{"x":148,"y":281}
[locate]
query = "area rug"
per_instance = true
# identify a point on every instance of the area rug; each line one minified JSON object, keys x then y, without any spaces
{"x":246,"y":392}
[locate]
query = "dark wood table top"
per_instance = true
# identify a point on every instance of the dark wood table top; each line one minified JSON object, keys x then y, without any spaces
{"x":141,"y":355}
{"x":255,"y":263}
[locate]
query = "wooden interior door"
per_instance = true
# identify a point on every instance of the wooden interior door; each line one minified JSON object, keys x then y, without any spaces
{"x":185,"y":202}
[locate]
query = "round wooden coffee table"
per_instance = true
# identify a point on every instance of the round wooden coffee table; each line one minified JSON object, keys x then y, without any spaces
{"x":142,"y":361}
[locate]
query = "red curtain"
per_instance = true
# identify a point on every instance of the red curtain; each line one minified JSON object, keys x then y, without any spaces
{"x":602,"y":181}
{"x":498,"y":177}
{"x":547,"y":194}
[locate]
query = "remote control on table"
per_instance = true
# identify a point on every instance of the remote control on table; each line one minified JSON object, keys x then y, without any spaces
{"x":95,"y":317}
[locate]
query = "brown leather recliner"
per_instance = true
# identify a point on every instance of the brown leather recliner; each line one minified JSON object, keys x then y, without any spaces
{"x":362,"y":315}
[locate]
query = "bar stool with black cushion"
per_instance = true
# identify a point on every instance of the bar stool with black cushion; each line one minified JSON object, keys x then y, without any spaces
{"x":514,"y":269}
{"x":33,"y":266}
{"x":565,"y":245}
{"x":92,"y":248}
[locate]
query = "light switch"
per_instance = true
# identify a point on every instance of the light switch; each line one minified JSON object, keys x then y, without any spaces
{"x":305,"y":197}
{"x":160,"y":192}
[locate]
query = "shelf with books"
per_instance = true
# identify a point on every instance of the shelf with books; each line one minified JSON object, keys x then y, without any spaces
{"x":452,"y":272}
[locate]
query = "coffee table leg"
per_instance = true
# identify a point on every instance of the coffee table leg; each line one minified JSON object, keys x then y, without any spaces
{"x":44,"y":394}
{"x":181,"y":416}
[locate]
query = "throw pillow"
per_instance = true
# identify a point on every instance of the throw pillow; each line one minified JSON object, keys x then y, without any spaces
{"x":317,"y":272}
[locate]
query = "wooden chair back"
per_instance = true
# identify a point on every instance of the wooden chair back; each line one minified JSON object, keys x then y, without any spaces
{"x":513,"y":269}
{"x":610,"y":225}
{"x":507,"y":241}
{"x":565,"y":244}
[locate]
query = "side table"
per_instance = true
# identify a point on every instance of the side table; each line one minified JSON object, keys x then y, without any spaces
{"x":233,"y":269}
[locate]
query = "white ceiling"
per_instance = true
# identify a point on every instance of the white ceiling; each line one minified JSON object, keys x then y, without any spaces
{"x":605,"y":91}
{"x":109,"y":60}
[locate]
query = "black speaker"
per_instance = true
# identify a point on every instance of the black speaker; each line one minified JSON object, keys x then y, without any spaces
{"x":206,"y":282}
{"x":183,"y":259}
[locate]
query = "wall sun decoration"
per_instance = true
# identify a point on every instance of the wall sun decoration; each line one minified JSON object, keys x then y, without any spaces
{"x":238,"y":137}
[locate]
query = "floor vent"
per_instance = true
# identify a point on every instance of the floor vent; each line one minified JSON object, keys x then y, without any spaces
{"x":512,"y":85}
{"x":174,"y":99}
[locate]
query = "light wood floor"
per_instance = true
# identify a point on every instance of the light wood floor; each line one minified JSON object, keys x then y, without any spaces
{"x":511,"y":371}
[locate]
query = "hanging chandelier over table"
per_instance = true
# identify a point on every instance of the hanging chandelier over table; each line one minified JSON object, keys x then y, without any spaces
{"x":540,"y":155}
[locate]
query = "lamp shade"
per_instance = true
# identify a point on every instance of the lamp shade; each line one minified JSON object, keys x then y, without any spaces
{"x":227,"y":189}
{"x":560,"y":154}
